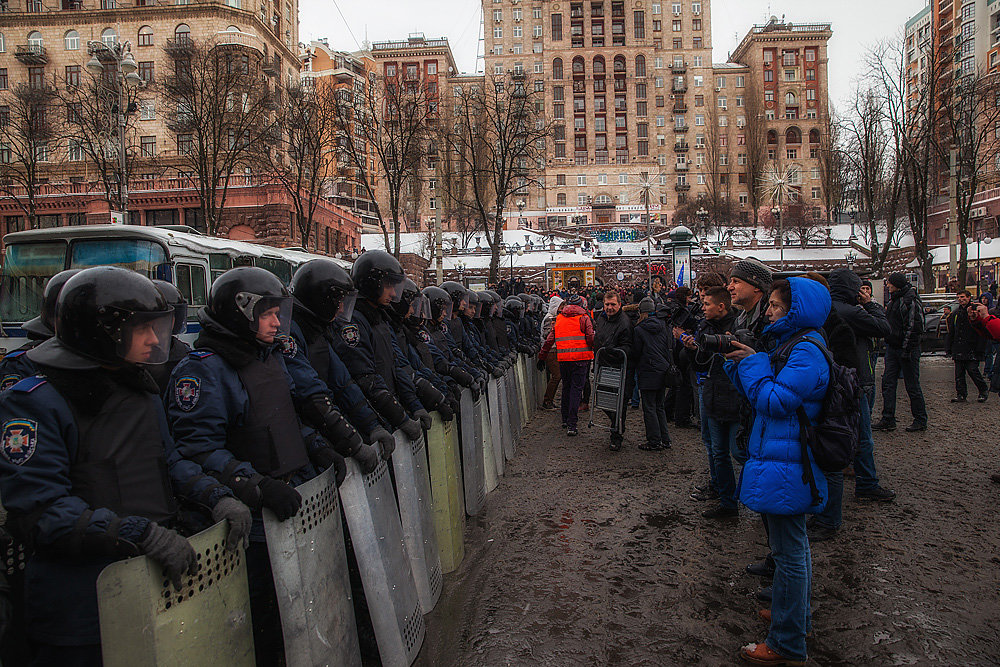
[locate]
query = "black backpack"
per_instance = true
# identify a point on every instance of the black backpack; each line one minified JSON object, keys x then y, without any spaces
{"x":835,"y":436}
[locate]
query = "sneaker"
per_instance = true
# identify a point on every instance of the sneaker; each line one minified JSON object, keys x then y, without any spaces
{"x":877,"y":493}
{"x":705,"y":493}
{"x":571,"y":432}
{"x":983,"y":396}
{"x":916,"y":426}
{"x":959,"y":399}
{"x":884,"y":425}
{"x":764,"y":594}
{"x":666,"y":444}
{"x":616,"y":442}
{"x":721,"y":512}
{"x":762,"y":568}
{"x":820,"y":533}
{"x":565,"y":425}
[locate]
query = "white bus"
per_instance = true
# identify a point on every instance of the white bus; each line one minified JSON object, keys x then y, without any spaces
{"x":176,"y":254}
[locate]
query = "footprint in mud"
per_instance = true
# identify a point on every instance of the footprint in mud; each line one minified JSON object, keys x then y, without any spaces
{"x":663,"y":520}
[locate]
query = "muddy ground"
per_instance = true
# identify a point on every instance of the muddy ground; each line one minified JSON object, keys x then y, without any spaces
{"x":585,"y":556}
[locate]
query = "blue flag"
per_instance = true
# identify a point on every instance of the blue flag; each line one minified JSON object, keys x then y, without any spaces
{"x":680,"y":276}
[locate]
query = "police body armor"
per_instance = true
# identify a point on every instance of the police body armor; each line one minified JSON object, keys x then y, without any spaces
{"x":317,"y":346}
{"x":120,"y":463}
{"x":270,"y":440}
{"x":384,"y":358}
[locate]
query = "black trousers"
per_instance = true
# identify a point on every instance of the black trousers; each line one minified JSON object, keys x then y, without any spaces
{"x":970,"y":367}
{"x":907,"y":364}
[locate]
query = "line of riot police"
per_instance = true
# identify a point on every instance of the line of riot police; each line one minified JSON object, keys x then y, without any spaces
{"x":118,"y":440}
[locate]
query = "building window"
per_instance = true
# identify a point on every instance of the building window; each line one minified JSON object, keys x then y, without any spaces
{"x":36,"y":77}
{"x":72,"y":76}
{"x":74,"y":150}
{"x":789,"y":75}
{"x":42,"y":152}
{"x":72,"y":40}
{"x":145,"y":36}
{"x":185,"y":144}
{"x":810,"y":75}
{"x":557,"y":68}
{"x":109,"y":36}
{"x":498,"y":32}
{"x":561,"y":199}
{"x":432,"y":204}
{"x":146,"y":71}
{"x":696,"y":24}
{"x":518,"y":32}
{"x":676,"y":26}
{"x":147,"y":110}
{"x":811,"y":94}
{"x":556,"y":27}
{"x":768,"y":75}
{"x":147,"y":146}
{"x":581,"y":179}
{"x":639,"y":24}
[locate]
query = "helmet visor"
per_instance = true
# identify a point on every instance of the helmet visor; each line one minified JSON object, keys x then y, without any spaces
{"x":420,"y":308}
{"x":269,"y":316}
{"x":180,"y":318}
{"x":447,"y":307}
{"x":478,"y":309}
{"x":346,"y":308}
{"x":495,"y":309}
{"x":395,"y":285}
{"x":144,"y":338}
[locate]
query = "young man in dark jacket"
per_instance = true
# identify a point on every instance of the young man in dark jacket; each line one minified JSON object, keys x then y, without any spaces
{"x":902,"y":355}
{"x":967,"y":349}
{"x":720,"y":400}
{"x":613,"y":329}
{"x":651,"y":346}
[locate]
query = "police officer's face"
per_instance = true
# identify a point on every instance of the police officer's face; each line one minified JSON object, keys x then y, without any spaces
{"x":143,"y":341}
{"x":388,"y":291}
{"x":268,"y":325}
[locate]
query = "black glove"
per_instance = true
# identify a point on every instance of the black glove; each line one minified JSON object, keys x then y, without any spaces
{"x":325,"y":457}
{"x":174,"y":553}
{"x":367,"y":457}
{"x":444,"y":409}
{"x":280,"y":498}
{"x":411,"y":428}
{"x":540,"y":365}
{"x":462,"y":376}
{"x":383,"y":437}
{"x":239,"y":519}
{"x":497,"y":371}
{"x":475,"y":391}
{"x":424,"y":417}
{"x":318,"y":411}
{"x":428,"y":394}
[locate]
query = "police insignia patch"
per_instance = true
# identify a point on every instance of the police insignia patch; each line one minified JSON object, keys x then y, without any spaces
{"x":288,"y":346}
{"x":350,"y":335}
{"x":9,"y":381}
{"x":187,"y":391}
{"x":424,"y":336}
{"x":20,"y":436}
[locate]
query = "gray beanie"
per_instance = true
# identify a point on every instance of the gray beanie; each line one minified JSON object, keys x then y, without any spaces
{"x":753,"y":272}
{"x":646,"y":305}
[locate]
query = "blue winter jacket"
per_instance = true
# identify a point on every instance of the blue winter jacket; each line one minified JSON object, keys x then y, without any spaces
{"x":771,"y":482}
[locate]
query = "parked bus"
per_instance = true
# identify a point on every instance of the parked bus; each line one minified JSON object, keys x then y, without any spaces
{"x":176,"y":254}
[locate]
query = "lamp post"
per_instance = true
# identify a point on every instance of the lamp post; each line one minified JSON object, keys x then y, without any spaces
{"x":776,"y":212}
{"x":125,"y":77}
{"x":460,"y":267}
{"x":852,"y":211}
{"x":511,"y":251}
{"x":702,"y":218}
{"x":981,"y":237}
{"x":851,"y":258}
{"x":520,"y":209}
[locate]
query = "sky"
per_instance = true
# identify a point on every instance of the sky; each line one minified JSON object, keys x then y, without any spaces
{"x":857,"y":25}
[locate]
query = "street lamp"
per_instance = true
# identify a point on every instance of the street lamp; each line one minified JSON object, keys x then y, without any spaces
{"x":981,"y":237}
{"x":125,"y":77}
{"x":520,"y":208}
{"x":511,"y":251}
{"x":852,"y":211}
{"x":851,"y":257}
{"x":460,"y":267}
{"x":702,"y":216}
{"x":776,"y":212}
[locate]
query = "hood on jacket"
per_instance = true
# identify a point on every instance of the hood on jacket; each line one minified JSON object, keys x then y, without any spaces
{"x":573,"y":311}
{"x":810,"y":308}
{"x":554,"y":304}
{"x":844,"y":285}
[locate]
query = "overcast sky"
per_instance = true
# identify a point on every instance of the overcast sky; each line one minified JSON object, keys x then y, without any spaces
{"x":857,"y":24}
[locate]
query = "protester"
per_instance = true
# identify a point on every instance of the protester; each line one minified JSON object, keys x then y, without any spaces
{"x":967,"y":349}
{"x":573,"y":337}
{"x":772,"y":481}
{"x":902,"y":355}
{"x":613,"y":329}
{"x":652,"y":349}
{"x":552,"y":363}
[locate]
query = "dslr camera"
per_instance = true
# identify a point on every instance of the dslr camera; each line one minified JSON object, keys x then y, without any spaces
{"x":723,"y":343}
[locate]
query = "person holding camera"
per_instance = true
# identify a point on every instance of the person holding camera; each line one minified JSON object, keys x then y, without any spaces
{"x":720,"y":400}
{"x":651,"y":348}
{"x":773,"y":481}
{"x":967,"y":349}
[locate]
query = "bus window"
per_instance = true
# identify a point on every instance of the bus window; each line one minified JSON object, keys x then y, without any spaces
{"x":219,"y":263}
{"x":135,"y":254}
{"x":27,"y":267}
{"x":191,"y":284}
{"x":278,"y":267}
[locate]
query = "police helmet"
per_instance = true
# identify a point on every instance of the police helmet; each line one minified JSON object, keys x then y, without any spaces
{"x":459,"y":295}
{"x":408,"y":293}
{"x":376,"y":270}
{"x":514,"y":306}
{"x":324,"y":289}
{"x":176,"y":301}
{"x":440,"y":303}
{"x":107,"y":316}
{"x":526,"y":300}
{"x":240,"y":296}
{"x":495,"y":303}
{"x":43,"y":327}
{"x":475,"y":303}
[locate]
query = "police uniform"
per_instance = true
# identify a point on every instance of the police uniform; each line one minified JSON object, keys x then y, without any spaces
{"x":15,"y":366}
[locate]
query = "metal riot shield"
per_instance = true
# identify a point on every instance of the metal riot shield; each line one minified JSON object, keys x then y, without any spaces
{"x":484,"y":436}
{"x":543,"y":381}
{"x":309,"y":566}
{"x":446,"y":491}
{"x":529,"y":387}
{"x":472,"y":457}
{"x":514,"y":409}
{"x":492,"y":398}
{"x":145,"y":621}
{"x":506,"y":438}
{"x":413,"y":489}
{"x":377,"y":536}
{"x":608,"y":387}
{"x":522,"y":397}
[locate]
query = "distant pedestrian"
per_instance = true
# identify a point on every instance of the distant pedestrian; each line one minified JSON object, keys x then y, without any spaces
{"x":902,"y":354}
{"x":967,"y":348}
{"x":651,"y":346}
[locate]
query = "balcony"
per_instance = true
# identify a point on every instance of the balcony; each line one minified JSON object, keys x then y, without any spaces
{"x":682,"y":187}
{"x":681,"y":166}
{"x":680,"y":108}
{"x":678,"y":68}
{"x":272,"y":66}
{"x":601,"y":157}
{"x":233,"y":40}
{"x":179,"y":46}
{"x":679,"y":87}
{"x":681,"y":146}
{"x":681,"y":128}
{"x":32,"y":54}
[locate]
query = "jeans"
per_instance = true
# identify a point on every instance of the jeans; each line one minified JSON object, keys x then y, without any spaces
{"x":970,"y":366}
{"x":635,"y":396}
{"x":907,"y":364}
{"x":706,"y":439}
{"x":654,"y":416}
{"x":865,"y":479}
{"x":723,"y":436}
{"x":990,"y":355}
{"x":574,"y":375}
{"x":792,"y":587}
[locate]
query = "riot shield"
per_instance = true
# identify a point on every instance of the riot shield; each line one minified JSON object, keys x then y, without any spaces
{"x":145,"y":621}
{"x":377,"y":536}
{"x":472,"y":457}
{"x":529,"y":394}
{"x":413,"y":489}
{"x":543,"y":381}
{"x":446,"y":491}
{"x":522,"y":397}
{"x":483,"y":435}
{"x":492,"y":398}
{"x":513,"y":409}
{"x":506,"y":439}
{"x":309,"y":566}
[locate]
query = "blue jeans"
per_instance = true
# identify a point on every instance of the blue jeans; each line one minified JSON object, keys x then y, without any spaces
{"x":792,"y":587}
{"x":634,"y":401}
{"x":723,"y":435}
{"x":864,"y":468}
{"x":706,"y":439}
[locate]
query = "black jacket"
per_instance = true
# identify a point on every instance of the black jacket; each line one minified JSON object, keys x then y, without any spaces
{"x":906,"y":319}
{"x":722,"y":400}
{"x":840,"y":340}
{"x":868,"y":321}
{"x":651,"y":348}
{"x":966,"y":344}
{"x":614,"y":331}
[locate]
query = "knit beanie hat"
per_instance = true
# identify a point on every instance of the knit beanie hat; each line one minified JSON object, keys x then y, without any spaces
{"x":753,"y":272}
{"x":646,"y":305}
{"x":897,"y":280}
{"x":574,"y":300}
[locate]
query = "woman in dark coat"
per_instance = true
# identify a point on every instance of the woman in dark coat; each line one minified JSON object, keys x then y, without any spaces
{"x":651,"y":349}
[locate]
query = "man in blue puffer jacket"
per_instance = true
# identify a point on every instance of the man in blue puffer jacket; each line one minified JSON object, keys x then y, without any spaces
{"x":772,"y":482}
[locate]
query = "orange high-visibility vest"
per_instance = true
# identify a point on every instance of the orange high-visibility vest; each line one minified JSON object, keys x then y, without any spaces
{"x":571,"y":344}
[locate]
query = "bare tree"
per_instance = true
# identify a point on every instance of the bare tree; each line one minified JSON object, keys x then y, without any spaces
{"x":832,"y":167}
{"x":717,"y":201}
{"x":28,"y":132}
{"x":219,"y":103}
{"x":498,"y":133}
{"x":755,"y":139}
{"x":298,"y":150}
{"x":458,"y":204}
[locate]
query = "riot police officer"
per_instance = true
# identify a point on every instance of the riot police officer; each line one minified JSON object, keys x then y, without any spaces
{"x":16,"y":365}
{"x":513,"y":311}
{"x":368,"y":348}
{"x":462,"y":301}
{"x":407,"y":319}
{"x":88,"y":470}
{"x":178,"y":348}
{"x":454,"y":366}
{"x":233,"y":408}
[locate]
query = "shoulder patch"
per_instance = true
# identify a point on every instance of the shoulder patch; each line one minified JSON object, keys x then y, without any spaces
{"x":289,"y":347}
{"x":8,"y":381}
{"x":350,"y":334}
{"x":28,"y":385}
{"x":424,"y":336}
{"x":200,"y":354}
{"x":187,"y":391}
{"x":18,"y":440}
{"x":15,"y":354}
